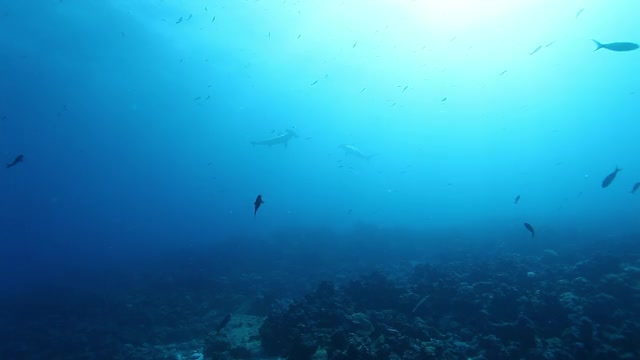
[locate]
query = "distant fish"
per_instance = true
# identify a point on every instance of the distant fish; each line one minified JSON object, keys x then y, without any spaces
{"x":16,"y":161}
{"x":197,"y":98}
{"x":517,"y":199}
{"x":363,"y":89}
{"x":315,"y":82}
{"x":579,"y":12}
{"x":223,"y":323}
{"x":405,"y":88}
{"x":609,"y":179}
{"x":190,"y":16}
{"x":214,"y":19}
{"x":616,"y":46}
{"x":354,"y":45}
{"x":635,"y":187}
{"x":280,"y":139}
{"x":443,"y":99}
{"x":179,"y":20}
{"x":549,"y":44}
{"x":536,"y":50}
{"x":269,"y":35}
{"x":352,"y":150}
{"x":530,"y":228}
{"x":256,"y":206}
{"x":502,"y":73}
{"x":299,"y":35}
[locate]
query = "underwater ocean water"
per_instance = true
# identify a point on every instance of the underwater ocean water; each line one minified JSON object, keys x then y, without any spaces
{"x":336,"y":179}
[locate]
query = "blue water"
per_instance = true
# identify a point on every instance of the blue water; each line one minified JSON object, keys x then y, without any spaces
{"x":136,"y":127}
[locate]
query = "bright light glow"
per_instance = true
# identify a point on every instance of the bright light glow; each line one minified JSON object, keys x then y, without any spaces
{"x":463,"y":14}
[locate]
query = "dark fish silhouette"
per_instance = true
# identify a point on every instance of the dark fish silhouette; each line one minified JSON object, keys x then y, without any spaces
{"x":536,"y":50}
{"x":257,"y":204}
{"x":616,"y":46}
{"x":579,"y":12}
{"x":223,"y":323}
{"x":517,"y":199}
{"x":15,"y":161}
{"x":530,"y":228}
{"x":609,"y":179}
{"x":179,"y":20}
{"x":635,"y":187}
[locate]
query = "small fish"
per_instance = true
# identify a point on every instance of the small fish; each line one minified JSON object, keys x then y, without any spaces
{"x":256,"y":205}
{"x":298,"y":36}
{"x":354,"y":45}
{"x":205,"y":9}
{"x":443,"y":99}
{"x":530,"y":228}
{"x":616,"y":46}
{"x":405,"y":88}
{"x":269,"y":36}
{"x":190,"y":16}
{"x":179,"y":20}
{"x":502,"y":73}
{"x":208,"y":97}
{"x":635,"y":187}
{"x":549,"y":44}
{"x":579,"y":12}
{"x":363,"y":89}
{"x":223,"y":323}
{"x":453,"y":39}
{"x":609,"y":179}
{"x":18,"y":159}
{"x":315,"y":82}
{"x":197,"y":98}
{"x":214,"y":19}
{"x":536,"y":50}
{"x":517,"y":199}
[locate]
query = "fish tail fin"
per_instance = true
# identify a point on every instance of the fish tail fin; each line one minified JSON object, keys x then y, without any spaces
{"x":598,"y":44}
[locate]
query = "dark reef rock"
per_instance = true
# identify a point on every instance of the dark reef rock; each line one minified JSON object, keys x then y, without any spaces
{"x":494,"y":310}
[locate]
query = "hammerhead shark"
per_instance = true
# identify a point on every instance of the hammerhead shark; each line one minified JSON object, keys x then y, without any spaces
{"x":280,"y":139}
{"x":352,"y":150}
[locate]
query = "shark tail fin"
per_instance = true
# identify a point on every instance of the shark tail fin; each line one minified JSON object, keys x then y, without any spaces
{"x":599,"y":45}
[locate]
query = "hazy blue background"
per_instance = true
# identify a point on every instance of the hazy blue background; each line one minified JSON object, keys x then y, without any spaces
{"x":120,"y":160}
